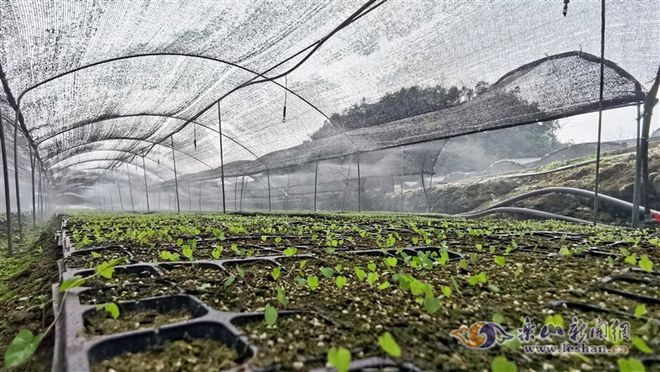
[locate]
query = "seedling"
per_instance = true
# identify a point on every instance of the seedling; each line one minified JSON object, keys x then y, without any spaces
{"x":500,"y":260}
{"x":630,"y":365}
{"x":431,"y":304}
{"x":389,"y":345}
{"x":326,"y":271}
{"x":645,"y":263}
{"x":502,"y":364}
{"x":340,"y":281}
{"x":270,"y":315}
{"x":372,"y":277}
{"x":168,"y":256}
{"x":111,"y":308}
{"x":276,"y":273}
{"x":216,"y":253}
{"x":480,"y":278}
{"x":313,"y":282}
{"x":371,"y":266}
{"x":291,"y":251}
{"x":390,"y":261}
{"x":361,"y":274}
{"x":641,"y":345}
{"x":640,"y":310}
{"x":281,"y":296}
{"x":446,"y":291}
{"x":384,"y":285}
{"x":340,"y":358}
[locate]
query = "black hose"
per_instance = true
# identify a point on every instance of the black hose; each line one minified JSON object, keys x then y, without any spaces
{"x":524,"y":211}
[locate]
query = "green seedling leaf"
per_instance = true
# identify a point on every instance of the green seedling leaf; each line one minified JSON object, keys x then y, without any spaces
{"x":340,"y":358}
{"x":107,"y":268}
{"x":384,"y":285}
{"x":556,"y":319}
{"x":229,"y":281}
{"x":624,"y":251}
{"x":431,"y":304}
{"x":390,"y":261}
{"x":498,"y":318}
{"x":474,"y":258}
{"x":217,"y":252}
{"x":281,"y":296}
{"x":270,"y":314}
{"x":110,"y":308}
{"x":479,"y":247}
{"x":73,"y":282}
{"x":641,"y":345}
{"x":519,"y":269}
{"x":463,"y":264}
{"x":492,"y":249}
{"x":500,"y":260}
{"x":372,"y":278}
{"x":630,"y":365}
{"x":389,"y":345}
{"x":446,"y":291}
{"x":291,"y":251}
{"x":480,"y":278}
{"x":640,"y":310}
{"x":444,"y":257}
{"x":326,"y":271}
{"x":371,"y":266}
{"x":22,"y":348}
{"x":564,"y":251}
{"x":645,"y":263}
{"x":340,"y":281}
{"x":187,"y":252}
{"x":502,"y":364}
{"x":96,"y":255}
{"x":313,"y":282}
{"x":301,"y":264}
{"x":361,"y":275}
{"x":631,"y":260}
{"x":276,"y":273}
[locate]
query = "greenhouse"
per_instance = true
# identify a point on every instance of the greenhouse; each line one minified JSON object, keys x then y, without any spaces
{"x":336,"y":185}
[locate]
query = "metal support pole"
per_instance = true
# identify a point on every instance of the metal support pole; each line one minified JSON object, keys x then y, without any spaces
{"x":18,"y":191}
{"x":600,"y":108}
{"x":41,"y":195}
{"x":235,"y":193}
{"x":240,"y":206}
{"x":199,"y":200}
{"x":268,"y":177}
{"x":176,"y":180}
{"x":146,"y":187}
{"x":222,"y":160}
{"x":121,"y":202}
{"x":189,"y":198}
{"x":34,"y":205}
{"x":5,"y":173}
{"x":649,"y":102}
{"x":130,"y":188}
{"x":638,"y":168}
{"x":316,"y":179}
{"x":359,"y":184}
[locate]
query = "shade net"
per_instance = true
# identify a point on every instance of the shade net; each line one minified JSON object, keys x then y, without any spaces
{"x":117,"y":90}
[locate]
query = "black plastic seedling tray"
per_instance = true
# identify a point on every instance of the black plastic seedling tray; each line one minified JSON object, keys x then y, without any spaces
{"x":76,"y":350}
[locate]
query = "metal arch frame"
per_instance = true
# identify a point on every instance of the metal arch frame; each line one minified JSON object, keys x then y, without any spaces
{"x":86,"y":123}
{"x":101,"y":168}
{"x":111,"y":160}
{"x":120,"y":138}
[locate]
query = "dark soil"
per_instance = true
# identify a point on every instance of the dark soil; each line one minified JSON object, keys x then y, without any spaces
{"x":101,"y":323}
{"x":198,"y":355}
{"x":24,"y":292}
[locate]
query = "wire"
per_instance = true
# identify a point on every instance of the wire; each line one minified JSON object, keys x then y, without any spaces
{"x":600,"y":107}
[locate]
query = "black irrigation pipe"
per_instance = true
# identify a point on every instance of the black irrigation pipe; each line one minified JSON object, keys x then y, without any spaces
{"x":524,"y":211}
{"x":561,"y":190}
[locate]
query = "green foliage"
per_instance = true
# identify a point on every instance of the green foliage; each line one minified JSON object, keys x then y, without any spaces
{"x":640,"y":310}
{"x":390,"y":261}
{"x":361,"y":274}
{"x":446,"y":291}
{"x":631,"y":260}
{"x":270,"y":315}
{"x":555,"y":319}
{"x":340,"y":281}
{"x":326,"y":271}
{"x":444,"y":257}
{"x":106,"y":268}
{"x":498,"y":318}
{"x":22,"y":347}
{"x":168,"y":256}
{"x":641,"y":345}
{"x":384,"y":285}
{"x":389,"y":345}
{"x":187,"y":252}
{"x":313,"y":282}
{"x":431,"y":304}
{"x":229,"y":281}
{"x":340,"y":358}
{"x":630,"y":365}
{"x":463,"y":264}
{"x":111,"y":308}
{"x":480,"y":278}
{"x":372,"y":277}
{"x":500,"y":260}
{"x":371,"y":266}
{"x":276,"y":273}
{"x":73,"y":282}
{"x":281,"y":296}
{"x":645,"y":263}
{"x":217,"y":252}
{"x":291,"y":251}
{"x":502,"y":364}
